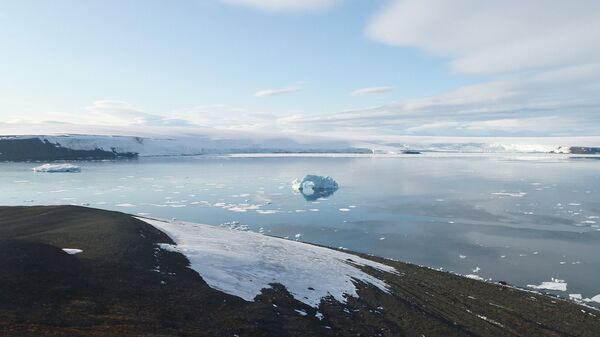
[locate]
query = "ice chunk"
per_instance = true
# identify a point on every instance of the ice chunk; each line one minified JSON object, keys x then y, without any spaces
{"x":510,"y":194}
{"x":593,"y":299}
{"x":575,"y":297}
{"x":313,"y":187}
{"x":267,"y":211}
{"x":51,"y":168}
{"x":315,"y":182}
{"x":555,"y":284}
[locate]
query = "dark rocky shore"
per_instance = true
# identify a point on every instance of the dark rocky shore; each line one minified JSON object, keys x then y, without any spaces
{"x":112,"y":289}
{"x":35,"y":149}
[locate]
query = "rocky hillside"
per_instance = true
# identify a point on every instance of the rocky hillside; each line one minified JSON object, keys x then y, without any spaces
{"x":74,"y":271}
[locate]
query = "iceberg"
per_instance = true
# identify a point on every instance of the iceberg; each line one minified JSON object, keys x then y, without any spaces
{"x":51,"y":168}
{"x":555,"y":284}
{"x":313,"y":187}
{"x":593,"y":299}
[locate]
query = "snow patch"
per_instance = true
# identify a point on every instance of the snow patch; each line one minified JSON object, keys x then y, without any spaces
{"x":301,"y":312}
{"x":242,"y":263}
{"x":72,"y":251}
{"x":474,"y":277}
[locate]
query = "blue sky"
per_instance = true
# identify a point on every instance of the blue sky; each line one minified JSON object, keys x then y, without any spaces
{"x":203,"y":62}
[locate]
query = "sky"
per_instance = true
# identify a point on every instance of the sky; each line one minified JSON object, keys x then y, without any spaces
{"x":348,"y":67}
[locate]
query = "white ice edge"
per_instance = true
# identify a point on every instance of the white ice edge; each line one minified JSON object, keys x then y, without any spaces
{"x":175,"y":141}
{"x":52,"y":168}
{"x":243,"y":263}
{"x":555,"y":284}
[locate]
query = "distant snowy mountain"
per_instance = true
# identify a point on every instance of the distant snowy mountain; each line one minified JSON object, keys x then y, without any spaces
{"x":187,"y":145}
{"x":67,"y":141}
{"x":156,"y":141}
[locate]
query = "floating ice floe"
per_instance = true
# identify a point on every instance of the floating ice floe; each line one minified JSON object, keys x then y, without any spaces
{"x":313,"y":187}
{"x":239,"y":208}
{"x":53,"y":168}
{"x":593,"y":299}
{"x":510,"y":194}
{"x":575,"y":297}
{"x":267,"y":211}
{"x":555,"y":284}
{"x":72,"y":251}
{"x":243,"y":263}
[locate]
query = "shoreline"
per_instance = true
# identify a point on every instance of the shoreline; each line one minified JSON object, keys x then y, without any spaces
{"x":383,"y":260}
{"x":113,"y":288}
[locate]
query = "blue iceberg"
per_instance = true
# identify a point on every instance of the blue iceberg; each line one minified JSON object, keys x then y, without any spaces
{"x":313,"y":187}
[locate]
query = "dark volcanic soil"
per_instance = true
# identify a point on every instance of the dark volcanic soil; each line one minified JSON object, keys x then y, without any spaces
{"x":112,"y":289}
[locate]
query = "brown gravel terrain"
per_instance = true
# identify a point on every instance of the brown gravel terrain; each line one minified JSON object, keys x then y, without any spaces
{"x":112,"y":289}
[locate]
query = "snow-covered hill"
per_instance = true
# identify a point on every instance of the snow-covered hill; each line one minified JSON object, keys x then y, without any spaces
{"x":173,"y":141}
{"x":242,"y":263}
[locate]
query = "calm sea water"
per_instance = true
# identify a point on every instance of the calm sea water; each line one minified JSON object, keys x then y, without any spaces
{"x":521,"y":219}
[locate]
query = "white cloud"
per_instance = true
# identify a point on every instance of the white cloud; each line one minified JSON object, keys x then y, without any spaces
{"x":540,"y":58}
{"x":276,"y":92}
{"x":561,"y":101}
{"x":371,"y":91}
{"x":285,"y":5}
{"x":123,"y":113}
{"x":494,"y":36}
